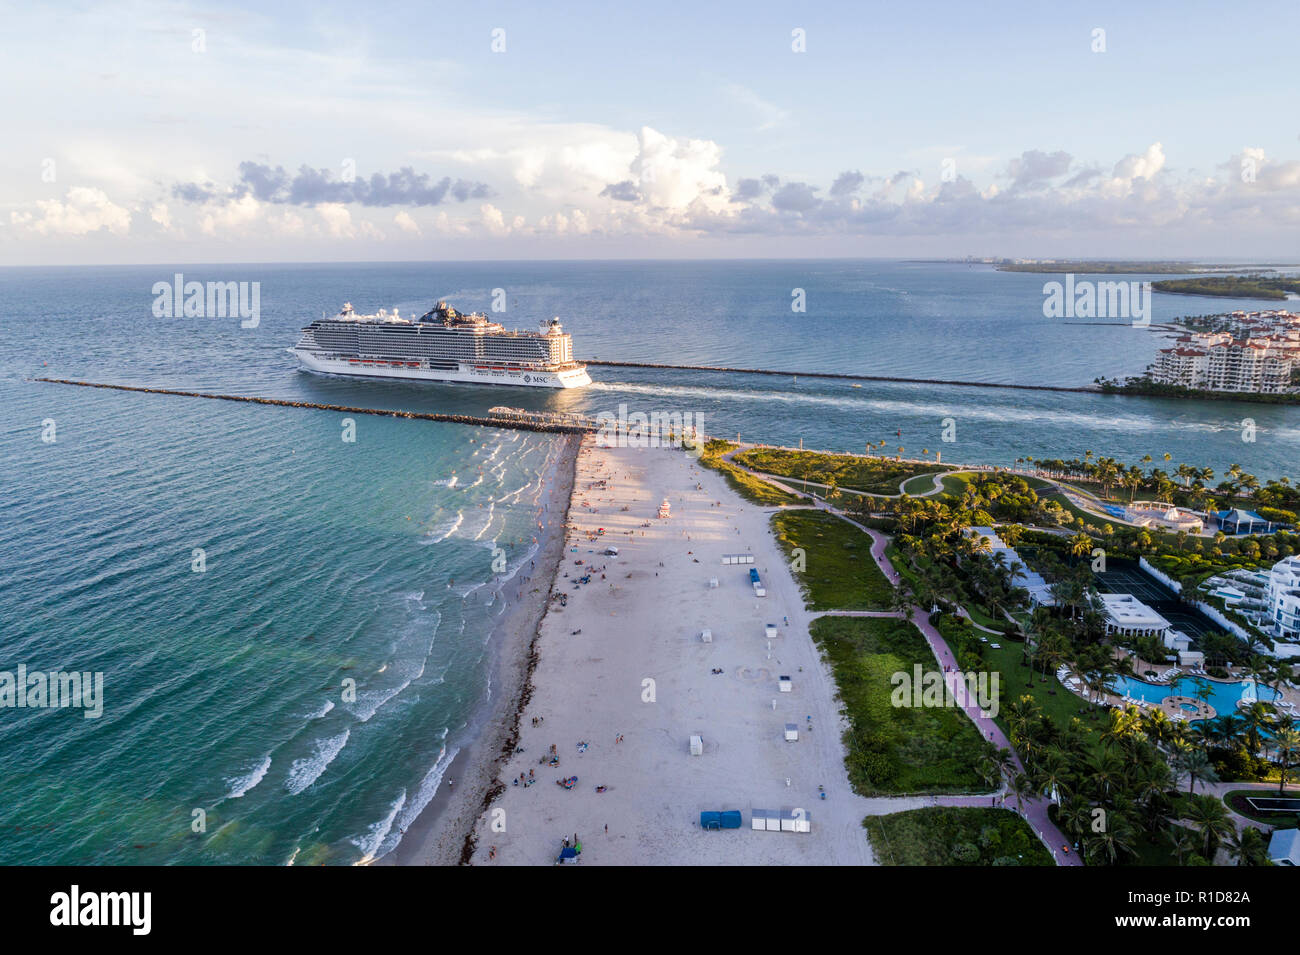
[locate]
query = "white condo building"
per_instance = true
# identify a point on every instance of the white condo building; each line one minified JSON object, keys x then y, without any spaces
{"x":1284,"y":598}
{"x":1252,"y":352}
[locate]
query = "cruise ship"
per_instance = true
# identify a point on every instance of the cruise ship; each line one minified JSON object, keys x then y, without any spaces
{"x":441,"y":345}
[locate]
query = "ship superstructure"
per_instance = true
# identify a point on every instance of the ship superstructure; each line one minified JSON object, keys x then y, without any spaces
{"x":443,"y":344}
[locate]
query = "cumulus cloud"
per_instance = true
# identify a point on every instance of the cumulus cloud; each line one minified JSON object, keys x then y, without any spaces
{"x":1143,"y":165}
{"x":1035,"y":168}
{"x":625,"y":191}
{"x":161,"y":215}
{"x":1253,"y":168}
{"x":676,"y":174}
{"x":795,"y":197}
{"x":404,"y":222}
{"x":82,"y":211}
{"x":313,"y":187}
{"x":847,"y":183}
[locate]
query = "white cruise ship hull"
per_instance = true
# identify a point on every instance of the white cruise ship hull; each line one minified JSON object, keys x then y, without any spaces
{"x":478,"y":374}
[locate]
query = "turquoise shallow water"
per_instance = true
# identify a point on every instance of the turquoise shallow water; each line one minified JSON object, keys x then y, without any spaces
{"x":223,"y":688}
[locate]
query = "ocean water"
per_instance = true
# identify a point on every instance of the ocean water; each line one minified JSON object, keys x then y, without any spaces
{"x":327,"y":560}
{"x":323,"y":561}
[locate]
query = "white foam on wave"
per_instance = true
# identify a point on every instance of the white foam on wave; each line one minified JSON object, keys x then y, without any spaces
{"x":440,"y":534}
{"x":370,"y":841}
{"x":329,"y":705}
{"x":424,"y":793}
{"x":242,"y":784}
{"x":412,"y":656}
{"x":448,"y":482}
{"x":306,"y":771}
{"x":490,"y":513}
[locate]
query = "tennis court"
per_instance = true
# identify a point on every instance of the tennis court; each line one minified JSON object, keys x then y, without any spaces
{"x":1121,"y":579}
{"x":1127,"y":580}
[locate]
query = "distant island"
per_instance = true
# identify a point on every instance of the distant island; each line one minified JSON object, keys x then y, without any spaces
{"x":1122,"y":267}
{"x":1257,"y":285}
{"x":1105,"y":268}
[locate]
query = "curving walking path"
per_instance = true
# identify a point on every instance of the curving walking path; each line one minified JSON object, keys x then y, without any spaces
{"x":1033,"y":810}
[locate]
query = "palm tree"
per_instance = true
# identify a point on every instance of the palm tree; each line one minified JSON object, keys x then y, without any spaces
{"x":900,"y":601}
{"x":1196,"y":764}
{"x":1255,"y":718}
{"x":1247,"y":846}
{"x":1075,"y":816}
{"x":1114,"y":840}
{"x":1080,"y":545}
{"x":994,"y":766}
{"x":1023,"y":788}
{"x":1210,"y":816}
{"x":1286,"y":748}
{"x":1182,"y":842}
{"x":1054,"y":774}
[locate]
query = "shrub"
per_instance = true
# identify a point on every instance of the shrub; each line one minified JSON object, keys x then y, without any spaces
{"x":965,"y":853}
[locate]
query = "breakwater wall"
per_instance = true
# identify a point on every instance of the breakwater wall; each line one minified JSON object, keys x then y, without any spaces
{"x":841,"y":376}
{"x":517,"y":424}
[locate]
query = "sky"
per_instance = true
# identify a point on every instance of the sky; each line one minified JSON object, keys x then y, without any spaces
{"x":149,"y":132}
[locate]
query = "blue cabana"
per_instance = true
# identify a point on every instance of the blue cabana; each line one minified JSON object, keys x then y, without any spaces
{"x":1237,"y":521}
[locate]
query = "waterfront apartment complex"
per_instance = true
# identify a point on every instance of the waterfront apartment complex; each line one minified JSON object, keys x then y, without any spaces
{"x":1284,"y":598}
{"x":1241,"y":351}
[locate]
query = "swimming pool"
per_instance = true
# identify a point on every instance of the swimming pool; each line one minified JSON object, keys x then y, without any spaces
{"x":1223,"y":696}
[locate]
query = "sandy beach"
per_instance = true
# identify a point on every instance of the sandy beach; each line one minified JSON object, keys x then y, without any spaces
{"x":439,"y":834}
{"x":623,"y":680}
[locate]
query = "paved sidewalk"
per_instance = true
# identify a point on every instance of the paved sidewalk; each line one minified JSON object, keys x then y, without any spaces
{"x":1034,"y":810}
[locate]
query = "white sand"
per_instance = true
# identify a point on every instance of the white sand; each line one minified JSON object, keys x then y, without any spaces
{"x":637,"y":626}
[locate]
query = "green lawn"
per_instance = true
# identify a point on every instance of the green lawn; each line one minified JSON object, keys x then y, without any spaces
{"x":877,"y":475}
{"x":1057,"y":703}
{"x":752,"y":489}
{"x":839,"y":573}
{"x":921,"y":484}
{"x":951,"y":835}
{"x":893,"y":749}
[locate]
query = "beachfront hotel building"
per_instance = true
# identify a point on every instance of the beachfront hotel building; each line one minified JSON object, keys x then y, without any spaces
{"x":1284,"y":599}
